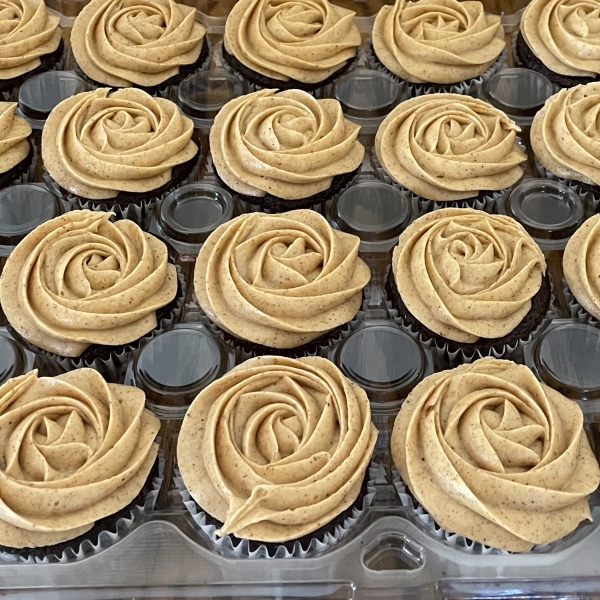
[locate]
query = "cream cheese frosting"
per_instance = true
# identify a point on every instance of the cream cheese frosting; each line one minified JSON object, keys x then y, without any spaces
{"x":304,"y":40}
{"x":437,"y":41}
{"x":290,"y":144}
{"x":564,"y":35}
{"x":136,"y":42}
{"x":74,"y":449}
{"x":14,"y":134}
{"x":277,"y":447}
{"x":97,"y":144}
{"x":27,"y":32}
{"x":581,"y":265}
{"x":79,"y":279}
{"x":565,"y":134}
{"x":495,"y":456}
{"x":280,"y":280}
{"x":449,"y":147}
{"x":466,"y":275}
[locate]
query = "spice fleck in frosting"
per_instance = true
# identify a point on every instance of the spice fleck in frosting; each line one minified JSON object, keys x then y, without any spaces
{"x":143,"y":42}
{"x":79,"y":280}
{"x":437,"y":41}
{"x":280,"y":280}
{"x":14,"y":131}
{"x":304,"y":40}
{"x":466,"y":275}
{"x":449,"y":147}
{"x":277,"y":447}
{"x":74,"y":450}
{"x":97,"y":144}
{"x":495,"y":456}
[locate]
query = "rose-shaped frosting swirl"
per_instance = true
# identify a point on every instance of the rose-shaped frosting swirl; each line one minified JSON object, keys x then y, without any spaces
{"x":79,"y":279}
{"x":277,"y":448}
{"x":304,"y":40}
{"x":565,"y":134}
{"x":449,"y":147}
{"x":97,"y":144}
{"x":437,"y":41}
{"x":27,"y":31}
{"x":289,"y":144}
{"x":142,"y":42}
{"x":465,"y":274}
{"x":564,"y":35}
{"x":73,"y":449}
{"x":280,"y":280}
{"x":581,"y":265}
{"x":14,"y":131}
{"x":496,"y":456}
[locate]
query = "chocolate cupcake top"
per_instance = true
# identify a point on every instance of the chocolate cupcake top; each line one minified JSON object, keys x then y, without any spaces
{"x":449,"y":147}
{"x":290,"y":144}
{"x":136,"y":42}
{"x":564,"y":35}
{"x":27,"y":32}
{"x":581,"y":265}
{"x":280,"y":280}
{"x":79,"y":280}
{"x":437,"y":41}
{"x":303,"y":40}
{"x":565,"y":134}
{"x":466,"y":275}
{"x":277,"y":447}
{"x":97,"y":144}
{"x":74,"y":449}
{"x":14,"y":131}
{"x":495,"y":456}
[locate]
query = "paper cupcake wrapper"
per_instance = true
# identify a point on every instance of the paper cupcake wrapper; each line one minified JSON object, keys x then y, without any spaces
{"x":105,"y":538}
{"x":241,"y":549}
{"x":575,"y":309}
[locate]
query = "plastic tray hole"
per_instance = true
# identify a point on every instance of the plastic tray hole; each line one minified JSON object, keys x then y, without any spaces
{"x":394,"y":552}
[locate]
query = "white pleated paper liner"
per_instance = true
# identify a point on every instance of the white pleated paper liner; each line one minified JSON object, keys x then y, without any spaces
{"x":469,"y":87}
{"x":329,"y":535}
{"x":575,"y":309}
{"x":98,"y":539}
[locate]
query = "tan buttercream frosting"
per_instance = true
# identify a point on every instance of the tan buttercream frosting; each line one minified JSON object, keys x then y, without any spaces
{"x":97,"y":144}
{"x":495,"y":456}
{"x":565,"y":134}
{"x":277,"y":448}
{"x":73,"y":449}
{"x":79,"y":279}
{"x":280,"y":280}
{"x":564,"y":35}
{"x":581,"y":265}
{"x":437,"y":41}
{"x":27,"y":32}
{"x":143,"y":42}
{"x":14,"y":131}
{"x":290,"y":144}
{"x":449,"y":147}
{"x":303,"y":40}
{"x":465,"y":274}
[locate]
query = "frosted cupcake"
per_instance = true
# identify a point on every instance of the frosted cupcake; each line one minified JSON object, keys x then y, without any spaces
{"x":16,"y":151}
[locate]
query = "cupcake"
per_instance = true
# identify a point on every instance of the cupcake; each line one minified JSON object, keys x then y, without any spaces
{"x":77,"y":456}
{"x":284,"y":282}
{"x":30,"y":41}
{"x":448,"y":147}
{"x":469,"y":282}
{"x":284,"y":150}
{"x":439,"y":45}
{"x":16,"y":151}
{"x":581,"y":266}
{"x":285,"y":44}
{"x":559,"y":38}
{"x":149,"y":44}
{"x":79,"y":286}
{"x":106,"y":149}
{"x":495,"y":456}
{"x":277,"y":449}
{"x":565,"y":137}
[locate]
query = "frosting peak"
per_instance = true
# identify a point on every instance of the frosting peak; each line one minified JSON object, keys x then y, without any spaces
{"x":14,"y":131}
